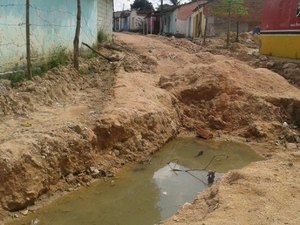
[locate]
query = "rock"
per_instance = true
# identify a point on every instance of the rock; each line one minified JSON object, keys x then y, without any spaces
{"x":116,"y":57}
{"x":70,"y":178}
{"x":187,"y":204}
{"x":263,"y":58}
{"x":35,"y":222}
{"x":256,"y":131}
{"x":70,"y":189}
{"x":255,"y":53}
{"x":92,"y":169}
{"x":290,"y":66}
{"x":291,"y":146}
{"x":249,"y":41}
{"x":96,"y":172}
{"x":117,"y":152}
{"x":270,"y":65}
{"x":24,"y":212}
{"x":204,"y":133}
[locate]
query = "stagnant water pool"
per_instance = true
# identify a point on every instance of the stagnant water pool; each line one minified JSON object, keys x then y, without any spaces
{"x":145,"y":194}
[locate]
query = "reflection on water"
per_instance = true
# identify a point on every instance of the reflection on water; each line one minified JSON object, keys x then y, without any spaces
{"x":146,"y":194}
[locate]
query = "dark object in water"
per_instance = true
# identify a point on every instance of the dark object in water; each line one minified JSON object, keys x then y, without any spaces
{"x":211,"y":177}
{"x":199,"y":154}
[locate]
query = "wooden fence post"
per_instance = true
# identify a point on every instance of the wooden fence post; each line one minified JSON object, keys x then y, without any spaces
{"x":28,"y":49}
{"x":76,"y":38}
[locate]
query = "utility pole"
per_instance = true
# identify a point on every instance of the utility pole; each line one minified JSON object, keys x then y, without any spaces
{"x":76,"y":38}
{"x":28,"y":50}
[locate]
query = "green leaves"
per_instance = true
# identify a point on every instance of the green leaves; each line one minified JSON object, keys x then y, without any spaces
{"x":230,"y":8}
{"x":142,"y":5}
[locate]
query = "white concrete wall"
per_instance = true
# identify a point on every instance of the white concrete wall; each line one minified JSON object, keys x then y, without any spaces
{"x":136,"y":21}
{"x":105,"y":16}
{"x":53,"y":26}
{"x":182,"y":27}
{"x":170,"y":22}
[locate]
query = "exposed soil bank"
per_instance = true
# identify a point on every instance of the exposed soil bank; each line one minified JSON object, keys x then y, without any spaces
{"x":101,"y":123}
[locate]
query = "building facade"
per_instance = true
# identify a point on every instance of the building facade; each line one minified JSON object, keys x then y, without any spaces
{"x":52,"y":25}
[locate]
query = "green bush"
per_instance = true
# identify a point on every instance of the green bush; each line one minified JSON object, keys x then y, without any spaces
{"x":102,"y":37}
{"x":16,"y":78}
{"x":55,"y":58}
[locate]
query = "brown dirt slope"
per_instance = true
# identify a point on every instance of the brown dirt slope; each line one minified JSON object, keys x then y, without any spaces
{"x":105,"y":119}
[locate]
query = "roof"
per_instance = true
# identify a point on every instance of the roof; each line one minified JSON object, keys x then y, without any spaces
{"x":185,"y":10}
{"x":124,"y":13}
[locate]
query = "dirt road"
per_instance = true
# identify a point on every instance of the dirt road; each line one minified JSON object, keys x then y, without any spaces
{"x":84,"y":126}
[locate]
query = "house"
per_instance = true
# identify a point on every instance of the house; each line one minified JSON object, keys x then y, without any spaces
{"x":52,"y":25}
{"x":137,"y":19}
{"x":178,"y":19}
{"x":280,"y":31}
{"x":152,"y":21}
{"x":121,"y":21}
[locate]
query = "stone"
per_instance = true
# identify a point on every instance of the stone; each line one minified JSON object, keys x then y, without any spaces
{"x":70,"y":178}
{"x":204,"y":133}
{"x":285,"y":124}
{"x":263,"y":58}
{"x":117,"y":152}
{"x":291,"y":146}
{"x":35,"y":221}
{"x":92,"y":169}
{"x":290,"y":66}
{"x":24,"y":212}
{"x":270,"y":65}
{"x":255,"y":53}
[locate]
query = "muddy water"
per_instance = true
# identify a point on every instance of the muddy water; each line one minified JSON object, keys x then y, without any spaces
{"x":144,"y":194}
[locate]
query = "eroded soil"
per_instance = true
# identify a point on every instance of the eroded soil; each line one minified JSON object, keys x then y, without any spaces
{"x":61,"y":131}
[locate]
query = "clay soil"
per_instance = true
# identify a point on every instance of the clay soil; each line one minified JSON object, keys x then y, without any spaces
{"x":62,"y":131}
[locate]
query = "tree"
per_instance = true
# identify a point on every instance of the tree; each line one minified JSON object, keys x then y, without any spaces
{"x":142,"y":5}
{"x":231,"y":10}
{"x":175,"y":2}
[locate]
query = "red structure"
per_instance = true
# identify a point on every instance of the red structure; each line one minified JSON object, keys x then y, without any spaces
{"x":281,"y":15}
{"x":280,"y":35}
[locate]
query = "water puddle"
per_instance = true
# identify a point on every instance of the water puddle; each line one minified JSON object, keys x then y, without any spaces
{"x":150,"y":192}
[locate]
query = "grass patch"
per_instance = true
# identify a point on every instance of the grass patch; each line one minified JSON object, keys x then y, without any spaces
{"x":102,"y":37}
{"x":16,"y":78}
{"x":55,"y":58}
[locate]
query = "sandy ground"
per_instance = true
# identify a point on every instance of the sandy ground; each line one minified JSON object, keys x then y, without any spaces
{"x":63,"y":130}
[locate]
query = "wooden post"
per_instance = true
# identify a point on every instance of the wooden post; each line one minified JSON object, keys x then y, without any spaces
{"x":76,"y":38}
{"x":229,"y":25}
{"x":237,"y":31}
{"x":205,"y":30}
{"x":28,"y":49}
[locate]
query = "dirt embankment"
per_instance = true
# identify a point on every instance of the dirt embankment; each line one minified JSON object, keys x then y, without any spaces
{"x":246,"y":50}
{"x":60,"y":131}
{"x":74,"y":127}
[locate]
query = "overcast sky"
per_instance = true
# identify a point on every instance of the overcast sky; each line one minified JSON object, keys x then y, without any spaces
{"x":119,"y":3}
